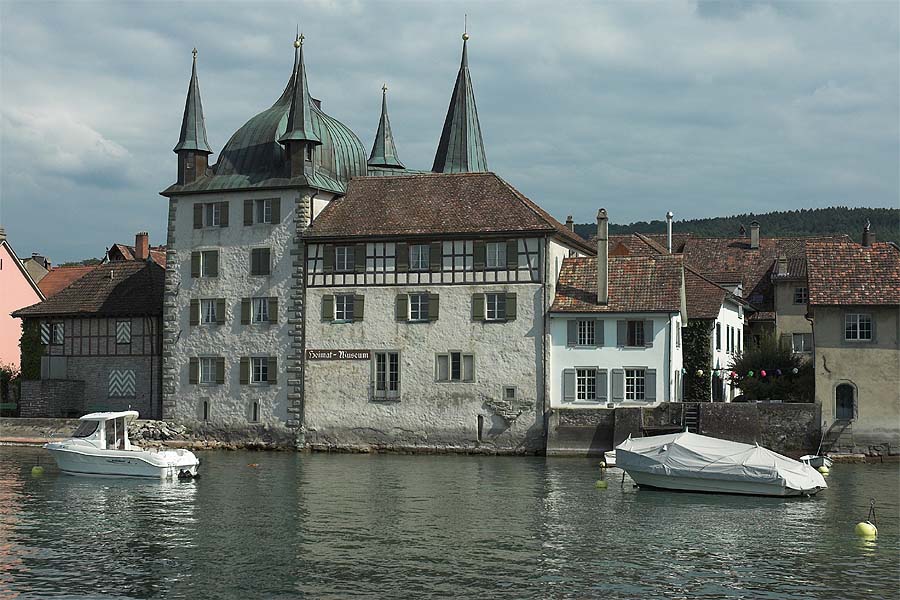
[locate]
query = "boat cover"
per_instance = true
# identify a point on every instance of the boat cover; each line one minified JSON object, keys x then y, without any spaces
{"x":690,"y":455}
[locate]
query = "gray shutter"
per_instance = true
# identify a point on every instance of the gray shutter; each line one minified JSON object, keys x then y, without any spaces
{"x":214,"y":268}
{"x":359,"y":303}
{"x":272,"y":371}
{"x":220,"y":370}
{"x":245,"y":311}
{"x":198,"y":215}
{"x":599,"y":333}
{"x":401,"y":311}
{"x":572,"y":332}
{"x":511,"y":307}
{"x":621,"y":333}
{"x":359,"y":258}
{"x":273,"y":310}
{"x":434,"y":307}
{"x":276,"y":210}
{"x":568,"y":385}
{"x":512,"y":254}
{"x":436,"y":256}
{"x":248,"y":212}
{"x":602,"y":385}
{"x":328,"y":307}
{"x":328,"y":259}
{"x":245,"y":370}
{"x":650,"y":384}
{"x":401,"y":253}
{"x":195,"y":312}
{"x":194,"y":370}
{"x":478,"y":307}
{"x":479,"y":253}
{"x":266,"y":261}
{"x":648,"y":333}
{"x":223,"y":214}
{"x":254,"y":261}
{"x":220,"y":311}
{"x":195,"y":264}
{"x":618,"y":384}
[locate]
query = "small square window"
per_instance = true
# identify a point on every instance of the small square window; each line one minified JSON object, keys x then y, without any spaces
{"x":343,"y":307}
{"x":801,"y":342}
{"x":801,"y":295}
{"x":858,"y":327}
{"x":509,"y":392}
{"x":418,"y":307}
{"x":495,"y":307}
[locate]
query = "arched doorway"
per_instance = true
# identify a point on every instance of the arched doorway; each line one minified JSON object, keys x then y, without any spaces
{"x":844,"y":402}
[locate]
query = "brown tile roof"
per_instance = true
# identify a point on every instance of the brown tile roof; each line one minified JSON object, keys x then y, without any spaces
{"x":121,"y":288}
{"x":704,"y":298}
{"x":437,"y":204}
{"x":636,"y":284}
{"x":846,"y":273}
{"x":122,"y":252}
{"x":643,"y":244}
{"x":60,"y":278}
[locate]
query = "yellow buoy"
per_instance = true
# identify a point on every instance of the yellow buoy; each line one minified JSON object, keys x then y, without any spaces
{"x":37,"y":471}
{"x":823,"y":470}
{"x":866,"y":530}
{"x":601,"y":484}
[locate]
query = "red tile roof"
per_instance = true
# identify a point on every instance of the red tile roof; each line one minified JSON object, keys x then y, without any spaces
{"x":60,"y":278}
{"x":704,"y":298}
{"x":122,"y":252}
{"x":846,"y":273}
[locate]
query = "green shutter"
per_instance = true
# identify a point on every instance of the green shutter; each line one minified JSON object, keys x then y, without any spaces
{"x":359,"y":304}
{"x":276,"y":210}
{"x":359,"y":258}
{"x":245,"y":311}
{"x":254,"y":261}
{"x":265,"y":261}
{"x":478,"y":307}
{"x":273,"y":310}
{"x":328,"y":259}
{"x":401,"y":311}
{"x":572,"y":332}
{"x":195,"y":312}
{"x":436,"y":256}
{"x":511,"y":307}
{"x":245,"y":370}
{"x":220,"y":370}
{"x":198,"y":215}
{"x":479,"y":253}
{"x":328,"y":307}
{"x":402,"y":257}
{"x":272,"y":371}
{"x":568,"y":385}
{"x":434,"y":307}
{"x":214,"y":263}
{"x":195,"y":264}
{"x":248,"y":212}
{"x":223,"y":214}
{"x":220,"y":311}
{"x":512,"y":254}
{"x":650,"y":384}
{"x":194,"y":370}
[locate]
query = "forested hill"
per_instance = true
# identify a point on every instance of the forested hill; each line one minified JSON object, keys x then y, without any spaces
{"x":814,"y":221}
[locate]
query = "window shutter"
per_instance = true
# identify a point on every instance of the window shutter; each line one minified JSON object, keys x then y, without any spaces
{"x":265,"y":259}
{"x":402,"y":257}
{"x":478,"y":307}
{"x":214,"y":263}
{"x":272,"y":371}
{"x":220,"y":311}
{"x":328,"y":259}
{"x":328,"y":307}
{"x":511,"y":307}
{"x":650,"y":384}
{"x":786,"y":341}
{"x":599,"y":340}
{"x":621,"y":334}
{"x":194,"y":370}
{"x":245,"y":370}
{"x":276,"y":210}
{"x":273,"y":310}
{"x":568,"y":385}
{"x":512,"y":254}
{"x":358,"y":307}
{"x":359,"y":258}
{"x":480,"y":255}
{"x":602,"y":385}
{"x":248,"y":212}
{"x":401,"y":306}
{"x":245,"y":311}
{"x":436,"y":256}
{"x":220,"y":370}
{"x":195,"y":264}
{"x":618,"y":384}
{"x":434,"y":307}
{"x":572,"y":332}
{"x":648,"y":333}
{"x":198,"y":215}
{"x":223,"y":214}
{"x":254,"y":261}
{"x":195,"y":312}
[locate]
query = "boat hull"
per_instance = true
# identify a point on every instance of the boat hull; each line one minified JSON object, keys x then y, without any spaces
{"x":817,"y":461}
{"x":713,"y":486}
{"x":165,"y":465}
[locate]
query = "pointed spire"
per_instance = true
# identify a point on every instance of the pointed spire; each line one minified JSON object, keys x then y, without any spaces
{"x":461,"y":149}
{"x":299,"y":125}
{"x":193,"y":127}
{"x":384,"y":152}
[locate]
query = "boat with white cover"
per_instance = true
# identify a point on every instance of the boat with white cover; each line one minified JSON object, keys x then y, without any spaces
{"x":697,"y":463}
{"x":100,"y":446}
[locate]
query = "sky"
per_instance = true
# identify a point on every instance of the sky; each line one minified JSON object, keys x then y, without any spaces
{"x":702,"y":108}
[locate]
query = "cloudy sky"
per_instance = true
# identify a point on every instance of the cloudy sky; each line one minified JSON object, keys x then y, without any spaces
{"x":704,"y":108}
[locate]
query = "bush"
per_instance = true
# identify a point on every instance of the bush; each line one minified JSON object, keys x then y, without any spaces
{"x":780,"y":381}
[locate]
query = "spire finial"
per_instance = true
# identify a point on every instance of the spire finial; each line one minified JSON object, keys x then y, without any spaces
{"x":465,"y":35}
{"x":300,"y":39}
{"x":194,"y":52}
{"x":297,"y":39}
{"x":384,"y":88}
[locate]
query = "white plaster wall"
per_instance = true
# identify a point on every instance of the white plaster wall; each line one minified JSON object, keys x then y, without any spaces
{"x":730,"y":315}
{"x":231,"y":402}
{"x":612,"y":357}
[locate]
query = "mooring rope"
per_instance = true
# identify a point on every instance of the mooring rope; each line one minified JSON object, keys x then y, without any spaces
{"x":871,"y":517}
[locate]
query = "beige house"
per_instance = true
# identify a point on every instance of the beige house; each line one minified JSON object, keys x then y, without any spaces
{"x":854,"y":297}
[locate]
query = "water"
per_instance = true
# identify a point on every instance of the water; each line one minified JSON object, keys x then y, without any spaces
{"x":341,"y":526}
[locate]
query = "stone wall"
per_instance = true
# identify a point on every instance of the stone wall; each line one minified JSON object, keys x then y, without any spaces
{"x":94,"y":372}
{"x":52,"y":398}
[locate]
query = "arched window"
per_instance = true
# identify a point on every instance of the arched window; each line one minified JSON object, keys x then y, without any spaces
{"x":844,"y":402}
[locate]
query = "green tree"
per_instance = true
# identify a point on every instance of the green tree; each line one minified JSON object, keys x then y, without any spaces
{"x":696,"y":340}
{"x":32,"y":349}
{"x":771,"y":371}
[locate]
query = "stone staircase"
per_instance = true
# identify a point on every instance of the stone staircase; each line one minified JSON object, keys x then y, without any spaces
{"x":838,"y":438}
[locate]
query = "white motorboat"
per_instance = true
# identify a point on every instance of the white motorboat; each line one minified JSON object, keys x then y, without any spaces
{"x":610,"y":458}
{"x":816,"y":461}
{"x":100,"y":446}
{"x":697,"y":463}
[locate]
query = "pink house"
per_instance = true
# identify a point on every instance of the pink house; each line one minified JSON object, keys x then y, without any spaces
{"x":17,"y":290}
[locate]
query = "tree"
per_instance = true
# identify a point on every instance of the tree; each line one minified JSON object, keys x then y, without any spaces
{"x":771,"y":371}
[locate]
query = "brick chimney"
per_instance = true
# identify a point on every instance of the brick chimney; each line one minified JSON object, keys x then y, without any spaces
{"x":669,"y":216}
{"x":868,"y":237}
{"x":754,"y":235}
{"x":602,"y":257}
{"x":570,"y":224}
{"x":141,"y":246}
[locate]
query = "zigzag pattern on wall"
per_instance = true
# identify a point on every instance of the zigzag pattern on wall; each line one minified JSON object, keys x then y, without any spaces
{"x":123,"y":332}
{"x":121,"y":383}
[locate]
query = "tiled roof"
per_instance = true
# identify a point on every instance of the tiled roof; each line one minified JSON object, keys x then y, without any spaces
{"x":437,"y":204}
{"x":636,"y":284}
{"x":157,"y":253}
{"x":121,"y":288}
{"x":704,"y":298}
{"x":794,"y":268}
{"x":61,"y":277}
{"x":846,"y":273}
{"x":644,"y":244}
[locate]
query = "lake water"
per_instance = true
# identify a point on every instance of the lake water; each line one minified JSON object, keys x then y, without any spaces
{"x":383,"y":526}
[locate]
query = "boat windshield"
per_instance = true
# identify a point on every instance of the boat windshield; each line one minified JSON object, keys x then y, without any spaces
{"x":86,"y":429}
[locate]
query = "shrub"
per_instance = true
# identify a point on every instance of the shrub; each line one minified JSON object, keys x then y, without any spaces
{"x":779,"y":363}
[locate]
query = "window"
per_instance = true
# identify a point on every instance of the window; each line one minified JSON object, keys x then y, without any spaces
{"x":213,"y":214}
{"x":208,"y":311}
{"x":207,"y":263}
{"x":123,"y":332}
{"x":801,"y":342}
{"x":259,"y":370}
{"x":455,"y":366}
{"x":739,"y":347}
{"x":381,"y":257}
{"x":495,"y":255}
{"x":586,"y":333}
{"x":343,"y":307}
{"x":344,"y":259}
{"x":189,"y":160}
{"x":264,"y":210}
{"x":495,"y":305}
{"x":309,"y":152}
{"x":387,"y":375}
{"x":206,"y":410}
{"x":458,"y":256}
{"x":254,"y":411}
{"x":86,"y":429}
{"x":260,"y":263}
{"x":635,"y":333}
{"x":57,"y":331}
{"x":509,"y":393}
{"x":419,"y":257}
{"x":207,"y":369}
{"x":858,"y":327}
{"x":586,"y":384}
{"x":418,"y":307}
{"x":259,"y":310}
{"x":634,"y":384}
{"x":801,"y":295}
{"x":718,"y":336}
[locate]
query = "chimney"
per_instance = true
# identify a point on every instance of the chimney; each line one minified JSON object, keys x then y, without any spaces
{"x":754,"y":235}
{"x":141,"y":246}
{"x":781,"y":267}
{"x":602,"y":257}
{"x":669,"y":216}
{"x":868,"y":237}
{"x":570,"y":224}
